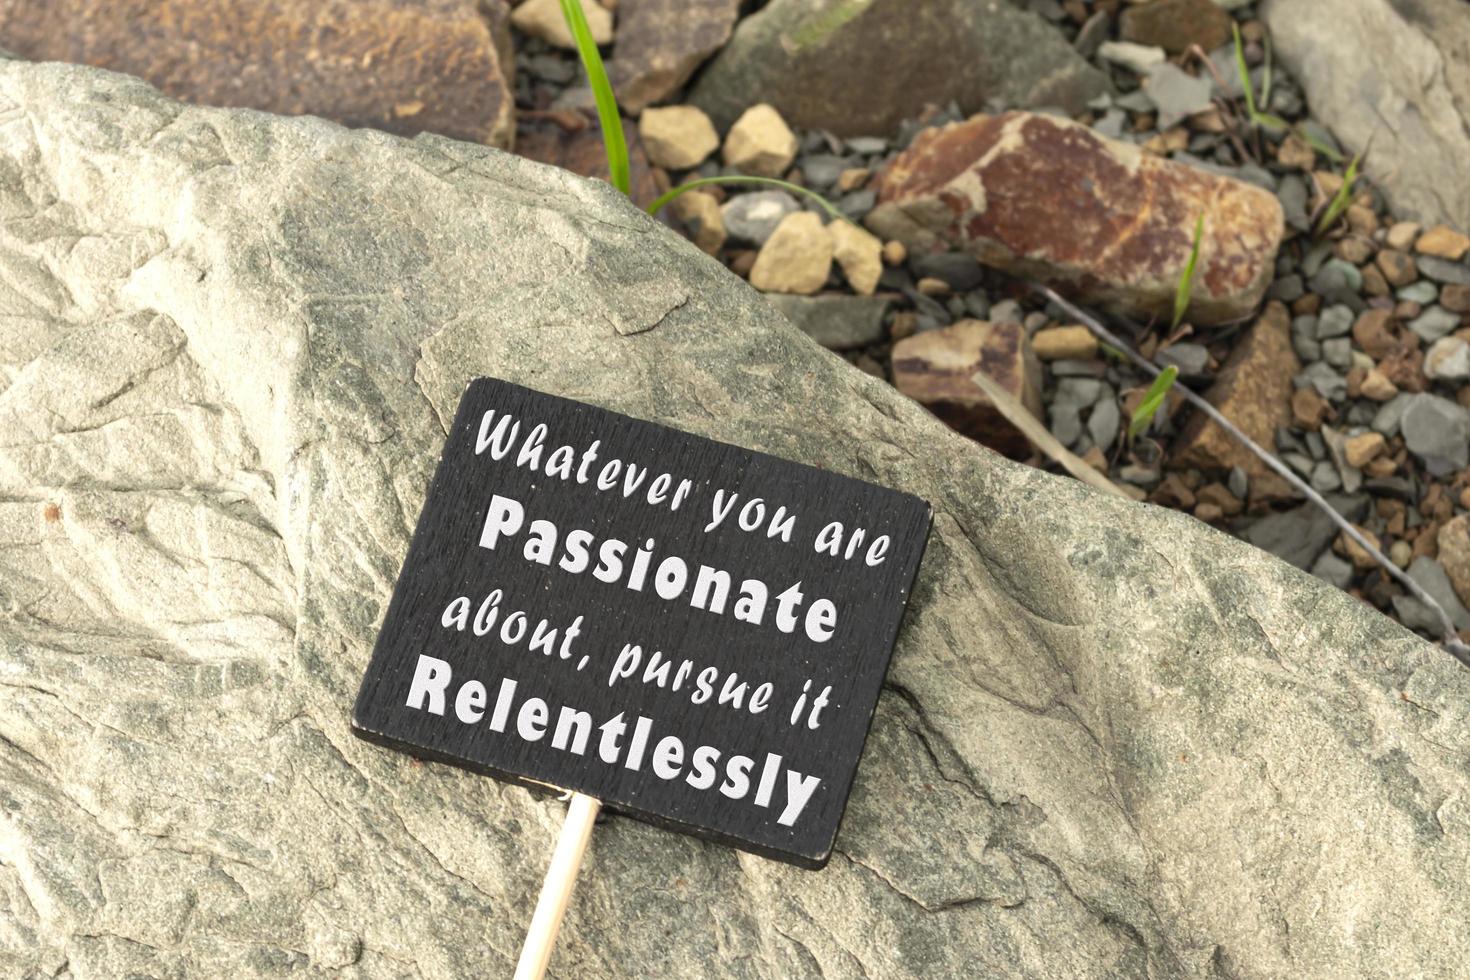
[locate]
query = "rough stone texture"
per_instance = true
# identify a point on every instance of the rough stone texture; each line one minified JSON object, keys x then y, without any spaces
{"x":1254,"y":391}
{"x":861,"y":68}
{"x":796,"y":258}
{"x":405,"y":66}
{"x":935,"y":367}
{"x":760,"y":143}
{"x":231,"y":343}
{"x":662,"y":42}
{"x":1046,"y":198}
{"x":1395,"y":72}
{"x":679,"y":137}
{"x":859,"y":254}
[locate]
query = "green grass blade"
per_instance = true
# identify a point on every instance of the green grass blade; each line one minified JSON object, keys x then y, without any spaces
{"x":1342,"y":199}
{"x":1321,"y":147}
{"x":1245,"y":73}
{"x":1152,"y":399}
{"x":669,"y":195}
{"x":611,"y":120}
{"x":1185,"y":286}
{"x":1266,"y":79}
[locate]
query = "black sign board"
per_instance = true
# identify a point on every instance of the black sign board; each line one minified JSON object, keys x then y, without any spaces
{"x":693,"y":633}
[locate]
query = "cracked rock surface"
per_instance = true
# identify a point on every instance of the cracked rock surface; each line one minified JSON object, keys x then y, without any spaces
{"x":1114,"y":742}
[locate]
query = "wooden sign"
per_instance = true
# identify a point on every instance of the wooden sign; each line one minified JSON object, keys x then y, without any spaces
{"x":693,"y":633}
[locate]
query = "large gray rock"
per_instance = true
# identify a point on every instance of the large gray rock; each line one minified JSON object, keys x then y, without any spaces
{"x":859,"y":69}
{"x":1114,"y":741}
{"x":1395,"y":71}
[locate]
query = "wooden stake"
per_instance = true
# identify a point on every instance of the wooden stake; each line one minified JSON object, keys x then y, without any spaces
{"x":556,"y":890}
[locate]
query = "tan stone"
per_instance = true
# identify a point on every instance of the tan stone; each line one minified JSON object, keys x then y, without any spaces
{"x":1443,"y":242}
{"x":1455,"y":297}
{"x":760,"y":143}
{"x":1296,"y":153}
{"x":935,"y":368}
{"x":1454,"y":554}
{"x":679,"y":137}
{"x":1355,"y":552}
{"x":1375,"y":333}
{"x":1309,"y":409}
{"x":932,"y":286}
{"x":1360,"y":450}
{"x":543,"y":19}
{"x":1253,"y":391}
{"x":859,"y":253}
{"x":700,"y":213}
{"x":1397,"y":267}
{"x":1402,"y":235}
{"x":1218,"y":495}
{"x":1049,"y":199}
{"x":1377,"y":386}
{"x":1064,"y":343}
{"x":894,"y":253}
{"x":796,"y":258}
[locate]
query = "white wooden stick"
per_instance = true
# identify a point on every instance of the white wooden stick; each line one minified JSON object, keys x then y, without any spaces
{"x":556,"y":890}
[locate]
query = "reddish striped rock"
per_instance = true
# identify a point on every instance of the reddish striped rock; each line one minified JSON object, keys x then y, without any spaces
{"x":1049,"y":199}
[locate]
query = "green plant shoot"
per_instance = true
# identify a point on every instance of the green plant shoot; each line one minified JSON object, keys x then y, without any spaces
{"x":1338,"y":206}
{"x":1185,"y":286}
{"x":1253,"y":111}
{"x":611,"y":120}
{"x":615,"y":143}
{"x":1152,"y":399}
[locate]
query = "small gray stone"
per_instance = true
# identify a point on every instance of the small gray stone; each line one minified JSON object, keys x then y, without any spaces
{"x":1238,"y":482}
{"x":1422,"y":292}
{"x":1336,"y":280}
{"x":1300,"y":462}
{"x":1192,"y":360}
{"x":1335,"y":321}
{"x":1338,"y":352}
{"x":1293,"y":193}
{"x":753,"y":217}
{"x":1066,"y":423}
{"x":1176,"y":93}
{"x":1438,"y":432}
{"x":957,"y":269}
{"x":838,"y":321}
{"x":1006,"y":311}
{"x":821,"y":170}
{"x":866,"y":145}
{"x":1102,"y":425}
{"x":1093,"y":33}
{"x":1329,"y":384}
{"x":1075,"y":369}
{"x":1140,"y":476}
{"x":856,"y":204}
{"x":1301,"y":534}
{"x":1430,"y":576}
{"x":1111,"y":124}
{"x":1443,"y":270}
{"x":1386,"y":421}
{"x":977,"y":304}
{"x":1288,"y":289}
{"x":1078,"y":392}
{"x":1434,"y":323}
{"x":1331,"y":568}
{"x":1325,"y":478}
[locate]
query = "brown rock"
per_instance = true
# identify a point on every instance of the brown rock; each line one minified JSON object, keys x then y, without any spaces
{"x":796,"y":258}
{"x":1044,"y":197}
{"x":1064,"y":343}
{"x":1397,"y":267}
{"x":1176,"y":24}
{"x":1253,"y":391}
{"x":1220,"y":496}
{"x":1354,"y":552}
{"x":1374,"y":283}
{"x":662,"y":42}
{"x":1209,"y":513}
{"x":1173,"y":492}
{"x":1375,"y":332}
{"x":894,"y":253}
{"x":404,"y":66}
{"x":1309,"y":409}
{"x":1296,"y":153}
{"x":1443,"y":242}
{"x":1427,"y":543}
{"x":934,"y":368}
{"x":1360,"y":450}
{"x":1354,"y":249}
{"x":582,"y":152}
{"x":1405,"y":365}
{"x":1455,"y":297}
